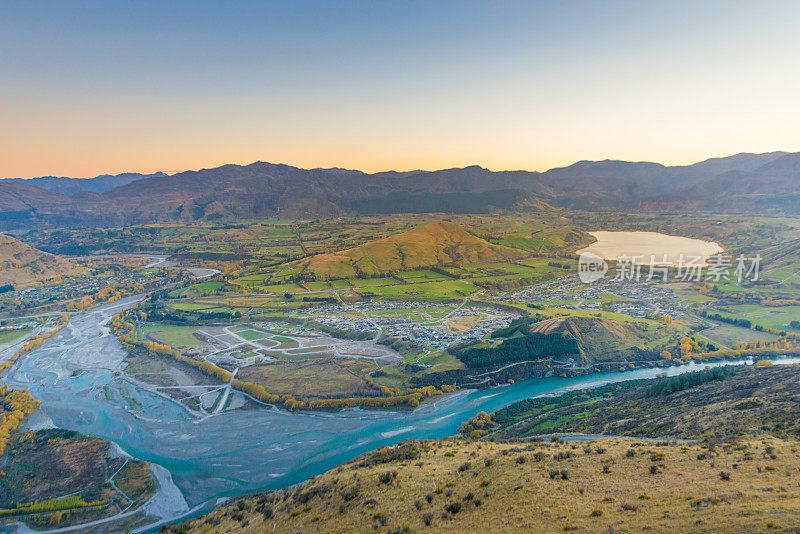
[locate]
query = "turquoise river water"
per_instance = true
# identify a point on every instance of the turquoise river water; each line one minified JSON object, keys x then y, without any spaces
{"x":236,"y":452}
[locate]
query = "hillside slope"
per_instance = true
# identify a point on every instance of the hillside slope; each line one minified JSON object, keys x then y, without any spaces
{"x":571,"y":343}
{"x":438,"y":243}
{"x":22,"y":265}
{"x":458,"y":485}
{"x":719,"y":402}
{"x":604,"y":340}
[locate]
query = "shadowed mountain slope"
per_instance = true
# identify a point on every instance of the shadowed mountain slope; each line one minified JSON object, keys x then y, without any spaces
{"x":760,"y":181}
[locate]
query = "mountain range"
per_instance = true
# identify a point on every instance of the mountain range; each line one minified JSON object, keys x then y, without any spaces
{"x":98,"y":184}
{"x":768,"y":182}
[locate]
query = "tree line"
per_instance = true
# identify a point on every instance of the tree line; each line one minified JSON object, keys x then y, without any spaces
{"x":531,"y":346}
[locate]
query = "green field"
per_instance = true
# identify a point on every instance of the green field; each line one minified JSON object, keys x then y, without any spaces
{"x":252,"y":334}
{"x":12,"y":335}
{"x":176,"y":336}
{"x":372,"y":282}
{"x":774,"y":317}
{"x":207,"y":286}
{"x":451,"y":289}
{"x":188,"y":306}
{"x":726,"y":335}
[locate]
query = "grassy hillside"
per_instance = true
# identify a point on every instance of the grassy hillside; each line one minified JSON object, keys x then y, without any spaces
{"x":22,"y":265}
{"x":603,"y":340}
{"x":610,"y":485}
{"x":433,"y":244}
{"x":782,"y":263}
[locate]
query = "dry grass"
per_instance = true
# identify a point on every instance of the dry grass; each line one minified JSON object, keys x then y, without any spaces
{"x":437,"y":243}
{"x":23,"y":266}
{"x":500,"y":492}
{"x":313,"y":379}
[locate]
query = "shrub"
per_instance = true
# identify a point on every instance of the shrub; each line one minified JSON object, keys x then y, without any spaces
{"x":564,"y":474}
{"x":520,"y":460}
{"x":723,"y":475}
{"x":488,"y":462}
{"x":403,"y":451}
{"x":629,"y":507}
{"x":387,"y":477}
{"x":596,"y":513}
{"x":539,"y":456}
{"x":653,"y":470}
{"x":352,"y":493}
{"x":429,"y":498}
{"x":464,"y":467}
{"x":606,"y":469}
{"x":453,"y":507}
{"x":485,"y":483}
{"x":427,"y":518}
{"x":418,"y":504}
{"x":630,"y":453}
{"x":380,"y":518}
{"x":553,"y":473}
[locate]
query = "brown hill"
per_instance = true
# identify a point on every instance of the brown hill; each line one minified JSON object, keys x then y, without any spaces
{"x":23,"y":266}
{"x":434,"y":244}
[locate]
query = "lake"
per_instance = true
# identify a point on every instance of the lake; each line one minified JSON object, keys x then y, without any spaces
{"x":641,"y":245}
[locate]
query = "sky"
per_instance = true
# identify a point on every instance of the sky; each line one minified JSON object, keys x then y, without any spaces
{"x":88,"y":88}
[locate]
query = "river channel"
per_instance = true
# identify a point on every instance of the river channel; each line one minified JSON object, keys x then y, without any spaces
{"x":236,"y":452}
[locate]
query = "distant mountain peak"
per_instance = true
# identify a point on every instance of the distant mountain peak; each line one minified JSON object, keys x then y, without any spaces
{"x":98,"y":184}
{"x":340,"y":171}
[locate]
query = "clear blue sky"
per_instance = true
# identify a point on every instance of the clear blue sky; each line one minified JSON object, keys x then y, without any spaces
{"x":93,"y":87}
